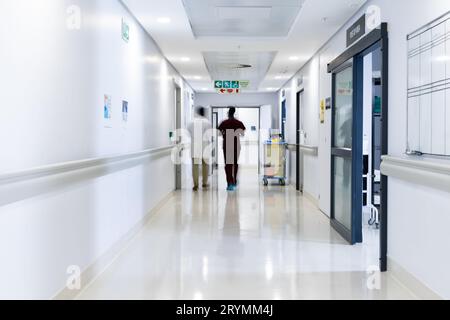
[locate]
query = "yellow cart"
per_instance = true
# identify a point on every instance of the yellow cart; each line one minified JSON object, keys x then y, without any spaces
{"x":274,"y":162}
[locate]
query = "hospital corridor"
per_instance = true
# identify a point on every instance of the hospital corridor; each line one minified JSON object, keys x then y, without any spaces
{"x":224,"y":158}
{"x":260,"y":243}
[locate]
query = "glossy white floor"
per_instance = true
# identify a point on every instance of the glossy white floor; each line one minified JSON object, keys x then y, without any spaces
{"x":256,"y":243}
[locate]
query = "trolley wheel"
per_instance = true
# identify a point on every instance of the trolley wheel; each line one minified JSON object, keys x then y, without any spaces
{"x":282,"y":182}
{"x":266,"y":182}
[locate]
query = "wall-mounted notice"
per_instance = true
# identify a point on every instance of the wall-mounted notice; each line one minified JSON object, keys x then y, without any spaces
{"x":107,"y":111}
{"x":125,"y":111}
{"x":107,"y":107}
{"x":429,"y":89}
{"x":322,"y":111}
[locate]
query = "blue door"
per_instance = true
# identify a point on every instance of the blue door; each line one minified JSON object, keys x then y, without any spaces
{"x":346,"y":152}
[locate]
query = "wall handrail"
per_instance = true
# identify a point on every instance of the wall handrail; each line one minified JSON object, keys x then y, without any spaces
{"x":305,"y":148}
{"x":70,"y":166}
{"x":428,"y":172}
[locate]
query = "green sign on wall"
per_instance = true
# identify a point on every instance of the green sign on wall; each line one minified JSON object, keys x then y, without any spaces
{"x":244,"y":84}
{"x":228,"y":84}
{"x":125,"y":31}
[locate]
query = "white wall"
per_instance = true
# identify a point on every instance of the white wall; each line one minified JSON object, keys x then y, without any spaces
{"x":310,"y":107}
{"x":53,"y":82}
{"x":243,"y":100}
{"x":417,"y":239}
{"x":250,"y":148}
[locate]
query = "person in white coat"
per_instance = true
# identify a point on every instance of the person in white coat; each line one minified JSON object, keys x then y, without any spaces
{"x":198,"y":129}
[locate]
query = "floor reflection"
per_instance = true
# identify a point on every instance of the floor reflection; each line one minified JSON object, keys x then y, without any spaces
{"x":256,"y":243}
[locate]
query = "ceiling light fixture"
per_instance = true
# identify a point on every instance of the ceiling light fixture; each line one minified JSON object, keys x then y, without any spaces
{"x":294,"y":58}
{"x":164,"y":20}
{"x":185,"y":59}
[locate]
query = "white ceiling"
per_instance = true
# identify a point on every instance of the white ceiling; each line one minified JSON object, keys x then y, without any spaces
{"x":242,"y":18}
{"x":232,"y":33}
{"x":226,"y":65}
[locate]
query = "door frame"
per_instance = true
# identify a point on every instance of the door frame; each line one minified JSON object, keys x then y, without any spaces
{"x":216,"y":142}
{"x":355,"y":52}
{"x":215,"y":108}
{"x":283,"y":117}
{"x":299,"y":162}
{"x":178,"y":124}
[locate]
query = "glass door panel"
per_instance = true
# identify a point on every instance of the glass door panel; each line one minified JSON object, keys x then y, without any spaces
{"x":342,"y":144}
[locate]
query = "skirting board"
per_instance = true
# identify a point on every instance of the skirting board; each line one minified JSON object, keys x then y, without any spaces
{"x":414,"y":285}
{"x":92,"y":272}
{"x":311,"y":198}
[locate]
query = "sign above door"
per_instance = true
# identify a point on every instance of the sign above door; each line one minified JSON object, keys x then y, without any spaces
{"x":356,"y":31}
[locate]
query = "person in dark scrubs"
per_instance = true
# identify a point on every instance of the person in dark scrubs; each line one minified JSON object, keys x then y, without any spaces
{"x":232,"y":130}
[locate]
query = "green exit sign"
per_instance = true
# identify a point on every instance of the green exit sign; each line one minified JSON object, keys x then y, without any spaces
{"x":231,"y":84}
{"x":125,"y":31}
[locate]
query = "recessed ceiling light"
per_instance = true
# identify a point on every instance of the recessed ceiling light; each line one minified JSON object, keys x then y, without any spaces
{"x":198,"y":78}
{"x":204,"y":89}
{"x":164,"y":20}
{"x":281,"y":77}
{"x":185,"y":59}
{"x":271,"y":89}
{"x":294,"y":58}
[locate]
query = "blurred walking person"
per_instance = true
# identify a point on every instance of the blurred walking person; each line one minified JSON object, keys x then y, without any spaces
{"x":198,"y":129}
{"x":232,"y":130}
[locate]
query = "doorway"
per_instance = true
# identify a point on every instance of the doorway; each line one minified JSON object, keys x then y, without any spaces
{"x":178,"y":124}
{"x":250,"y":158}
{"x":359,"y":139}
{"x":299,"y":141}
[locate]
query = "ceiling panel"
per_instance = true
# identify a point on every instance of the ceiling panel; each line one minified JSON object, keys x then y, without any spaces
{"x":249,"y":66}
{"x":315,"y":23}
{"x":244,"y":18}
